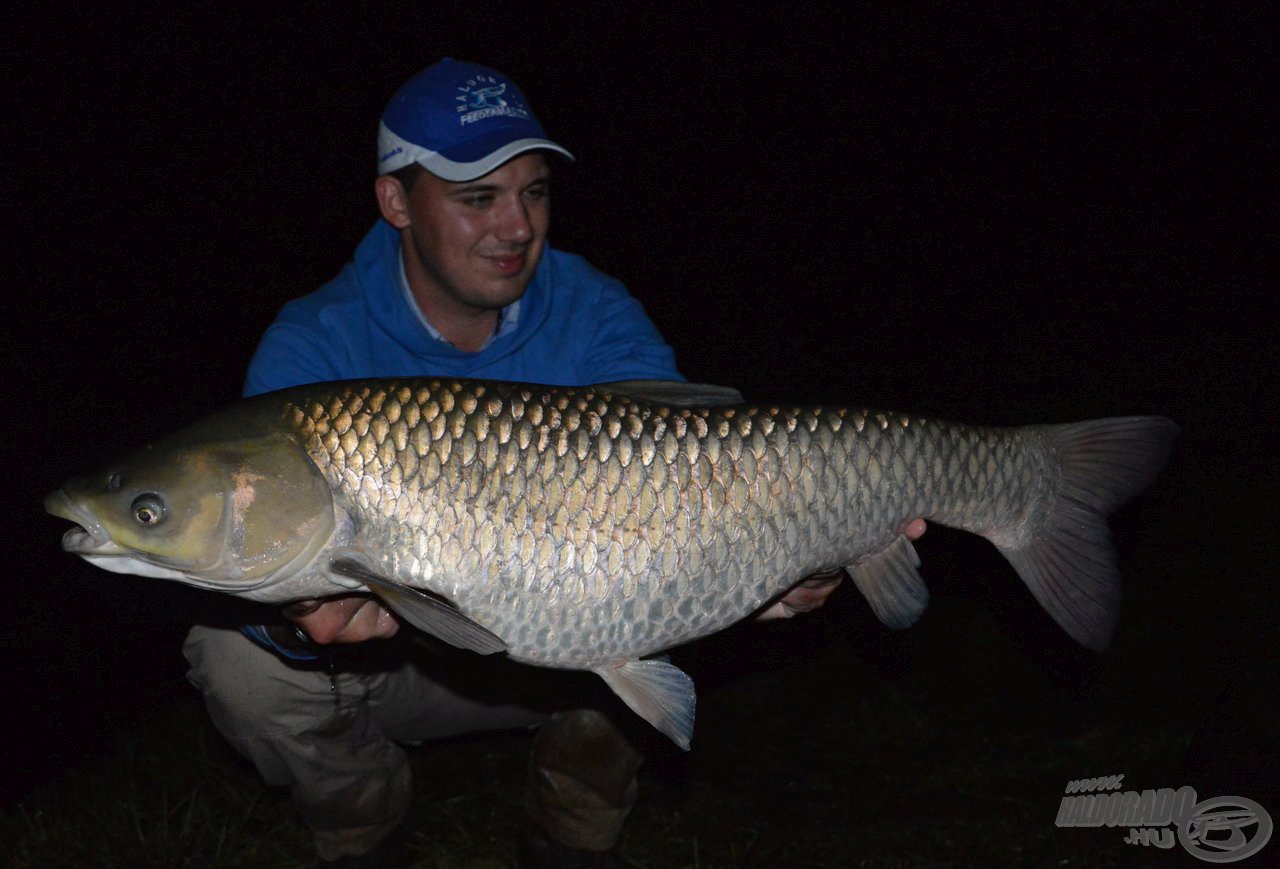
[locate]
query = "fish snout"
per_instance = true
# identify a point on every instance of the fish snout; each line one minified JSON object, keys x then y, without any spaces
{"x":88,"y":535}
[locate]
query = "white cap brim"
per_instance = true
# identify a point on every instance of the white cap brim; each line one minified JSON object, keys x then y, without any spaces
{"x":396,"y":153}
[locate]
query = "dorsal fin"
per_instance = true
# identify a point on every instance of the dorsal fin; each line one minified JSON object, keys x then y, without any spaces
{"x":675,"y":393}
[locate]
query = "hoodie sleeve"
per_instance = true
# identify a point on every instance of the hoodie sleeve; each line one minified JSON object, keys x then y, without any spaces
{"x":288,"y":355}
{"x":624,"y":344}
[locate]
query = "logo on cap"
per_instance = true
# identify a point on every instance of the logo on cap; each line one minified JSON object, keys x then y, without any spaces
{"x":481,"y":97}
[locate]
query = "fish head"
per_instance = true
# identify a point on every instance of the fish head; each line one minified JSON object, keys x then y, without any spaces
{"x":230,"y":515}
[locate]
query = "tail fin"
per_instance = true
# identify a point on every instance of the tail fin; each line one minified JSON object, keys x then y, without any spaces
{"x":1068,"y":562}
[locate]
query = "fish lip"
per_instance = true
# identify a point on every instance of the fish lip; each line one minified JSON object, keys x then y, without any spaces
{"x":89,"y":536}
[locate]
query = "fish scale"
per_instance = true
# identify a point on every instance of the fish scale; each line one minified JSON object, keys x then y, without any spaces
{"x":588,"y":540}
{"x":591,"y":527}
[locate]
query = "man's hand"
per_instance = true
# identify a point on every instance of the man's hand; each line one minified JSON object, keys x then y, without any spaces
{"x":811,"y":593}
{"x":348,"y":618}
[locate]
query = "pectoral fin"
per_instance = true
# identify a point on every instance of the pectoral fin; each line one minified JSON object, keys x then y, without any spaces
{"x":892,"y":585}
{"x":433,"y":615}
{"x":658,"y":692}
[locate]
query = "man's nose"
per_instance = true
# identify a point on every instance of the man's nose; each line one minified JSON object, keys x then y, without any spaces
{"x":514,"y":224}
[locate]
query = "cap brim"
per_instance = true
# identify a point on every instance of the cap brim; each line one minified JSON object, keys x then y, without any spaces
{"x":466,"y":161}
{"x":458,"y":170}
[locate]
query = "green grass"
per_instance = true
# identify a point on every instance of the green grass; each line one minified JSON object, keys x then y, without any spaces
{"x":800,"y":759}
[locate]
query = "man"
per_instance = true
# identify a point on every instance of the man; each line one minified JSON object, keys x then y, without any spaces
{"x":456,"y":279}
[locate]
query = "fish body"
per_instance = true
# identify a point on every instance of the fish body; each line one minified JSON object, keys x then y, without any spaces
{"x":588,"y":528}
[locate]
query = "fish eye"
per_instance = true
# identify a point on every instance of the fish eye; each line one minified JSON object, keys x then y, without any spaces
{"x":148,"y":509}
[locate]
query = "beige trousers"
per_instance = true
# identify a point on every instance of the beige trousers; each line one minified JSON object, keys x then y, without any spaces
{"x":339,"y":752}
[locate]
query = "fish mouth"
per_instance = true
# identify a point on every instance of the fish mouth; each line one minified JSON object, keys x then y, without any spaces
{"x":88,"y":537}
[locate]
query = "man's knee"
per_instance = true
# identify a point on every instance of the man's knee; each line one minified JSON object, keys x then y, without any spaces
{"x":582,"y":779}
{"x":249,"y":690}
{"x":350,"y":783}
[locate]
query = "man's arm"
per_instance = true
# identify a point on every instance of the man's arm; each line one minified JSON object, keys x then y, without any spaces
{"x":290,"y":355}
{"x":624,"y":345}
{"x":623,"y":342}
{"x":348,"y":618}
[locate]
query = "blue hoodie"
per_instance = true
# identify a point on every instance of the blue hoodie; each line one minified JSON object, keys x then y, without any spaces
{"x":577,"y":326}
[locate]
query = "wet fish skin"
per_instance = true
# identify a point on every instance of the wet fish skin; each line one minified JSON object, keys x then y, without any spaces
{"x":586,"y":528}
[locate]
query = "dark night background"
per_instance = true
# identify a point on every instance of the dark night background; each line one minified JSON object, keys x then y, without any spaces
{"x":995,"y":216}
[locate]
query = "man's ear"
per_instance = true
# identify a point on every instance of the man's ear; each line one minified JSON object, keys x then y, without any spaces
{"x":393,"y":201}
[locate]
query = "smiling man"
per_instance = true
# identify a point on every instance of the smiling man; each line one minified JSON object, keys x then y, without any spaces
{"x":472,"y":247}
{"x":455,"y":279}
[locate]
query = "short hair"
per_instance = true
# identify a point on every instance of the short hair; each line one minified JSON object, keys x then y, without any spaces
{"x":408,"y":175}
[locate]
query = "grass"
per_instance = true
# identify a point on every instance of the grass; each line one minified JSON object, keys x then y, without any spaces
{"x":802,"y":758}
{"x":170,"y":794}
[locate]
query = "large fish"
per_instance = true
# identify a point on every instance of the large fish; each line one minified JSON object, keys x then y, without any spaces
{"x":588,"y":528}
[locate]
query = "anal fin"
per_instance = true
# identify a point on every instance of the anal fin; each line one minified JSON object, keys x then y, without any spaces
{"x":891,"y":584}
{"x":658,"y":692}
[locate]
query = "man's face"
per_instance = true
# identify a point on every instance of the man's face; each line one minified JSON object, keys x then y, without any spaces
{"x":475,"y":244}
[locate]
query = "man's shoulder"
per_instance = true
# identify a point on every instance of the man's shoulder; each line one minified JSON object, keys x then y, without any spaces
{"x":574,"y":284}
{"x":330,"y":304}
{"x":574,"y":271}
{"x":581,"y":313}
{"x":347,"y":294}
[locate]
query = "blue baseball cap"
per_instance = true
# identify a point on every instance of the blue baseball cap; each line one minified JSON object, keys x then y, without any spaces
{"x":459,"y":121}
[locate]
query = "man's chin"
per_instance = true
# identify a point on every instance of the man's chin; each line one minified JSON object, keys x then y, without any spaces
{"x":498,"y":291}
{"x":499,"y":295}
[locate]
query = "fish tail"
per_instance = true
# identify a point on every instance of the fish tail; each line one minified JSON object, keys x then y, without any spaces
{"x":1065,"y":555}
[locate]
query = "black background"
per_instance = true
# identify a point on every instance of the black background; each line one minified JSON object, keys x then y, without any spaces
{"x":996,"y":216}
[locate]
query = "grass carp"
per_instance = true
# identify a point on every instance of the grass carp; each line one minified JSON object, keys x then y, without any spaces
{"x":587,"y":528}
